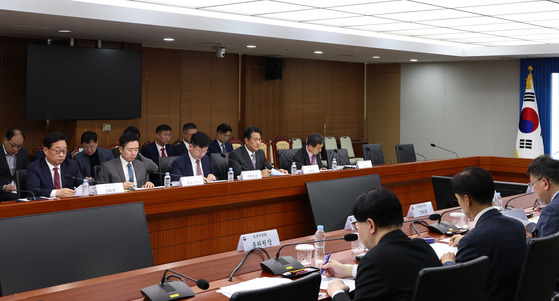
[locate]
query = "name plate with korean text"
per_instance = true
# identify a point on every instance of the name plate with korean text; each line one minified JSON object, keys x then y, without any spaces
{"x":308,"y":169}
{"x":251,"y":175}
{"x":363,"y":164}
{"x":191,"y":181}
{"x":109,"y":188}
{"x":421,"y":209}
{"x":263,"y":239}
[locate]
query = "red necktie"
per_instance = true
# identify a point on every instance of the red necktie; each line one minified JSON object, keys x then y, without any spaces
{"x":199,"y":168}
{"x":163,"y":152}
{"x":56,"y":179}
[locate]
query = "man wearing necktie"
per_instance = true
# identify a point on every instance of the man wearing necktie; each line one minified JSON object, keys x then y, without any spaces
{"x":194,"y":162}
{"x":310,"y":153}
{"x":250,"y":156}
{"x":188,"y":129}
{"x":53,"y":175}
{"x":126,"y":168}
{"x":12,"y":157}
{"x":221,"y":143}
{"x":160,"y":147}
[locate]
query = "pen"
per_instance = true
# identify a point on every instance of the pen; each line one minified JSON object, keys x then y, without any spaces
{"x":325,"y":262}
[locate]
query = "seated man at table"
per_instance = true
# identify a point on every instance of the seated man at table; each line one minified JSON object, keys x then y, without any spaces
{"x":91,"y":155}
{"x":12,"y":157}
{"x":388,"y":271}
{"x":149,"y":163}
{"x":221,"y":143}
{"x":194,"y":162}
{"x":160,"y":147}
{"x":494,"y":235}
{"x":544,"y":181}
{"x":310,"y":154}
{"x":188,"y":129}
{"x":250,"y":156}
{"x":53,"y":175}
{"x":126,"y":168}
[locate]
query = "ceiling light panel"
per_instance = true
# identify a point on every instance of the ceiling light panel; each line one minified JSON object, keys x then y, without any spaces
{"x":498,"y":27}
{"x":510,"y":43}
{"x":257,"y":8}
{"x":464,"y":21}
{"x":308,"y":15}
{"x":391,"y":27}
{"x":525,"y":34}
{"x":514,"y":8}
{"x":532,"y":17}
{"x":426,"y":32}
{"x":547,"y":23}
{"x":462,"y":3}
{"x":429,"y":15}
{"x":460,"y":36}
{"x":390,"y":7}
{"x":354,"y":21}
{"x":192,"y":3}
{"x":329,"y":3}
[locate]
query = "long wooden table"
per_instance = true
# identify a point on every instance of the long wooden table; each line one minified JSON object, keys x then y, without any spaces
{"x":195,"y":221}
{"x":214,"y":268}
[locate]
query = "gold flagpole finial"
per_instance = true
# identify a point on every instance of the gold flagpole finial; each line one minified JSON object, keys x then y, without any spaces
{"x":530,"y":68}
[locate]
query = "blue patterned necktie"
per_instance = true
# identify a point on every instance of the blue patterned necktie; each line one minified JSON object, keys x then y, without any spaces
{"x":130,"y":172}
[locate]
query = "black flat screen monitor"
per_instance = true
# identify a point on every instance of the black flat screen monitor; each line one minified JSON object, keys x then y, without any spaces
{"x":82,"y":83}
{"x":444,"y":195}
{"x":332,"y":201}
{"x":60,"y":247}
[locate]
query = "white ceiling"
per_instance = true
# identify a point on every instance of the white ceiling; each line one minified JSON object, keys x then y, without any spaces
{"x":344,"y":30}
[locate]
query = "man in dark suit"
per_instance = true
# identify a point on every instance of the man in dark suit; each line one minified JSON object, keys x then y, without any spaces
{"x":195,"y":162}
{"x":188,"y":130}
{"x":250,"y":156}
{"x":544,"y":181}
{"x":126,"y":168}
{"x":160,"y":147}
{"x":221,"y":143}
{"x":54,"y":176}
{"x":12,"y":157}
{"x":500,"y":238}
{"x":388,"y":271}
{"x":91,"y":155}
{"x":310,"y":154}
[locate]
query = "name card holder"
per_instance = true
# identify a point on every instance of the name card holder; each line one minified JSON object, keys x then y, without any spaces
{"x":263,"y":239}
{"x":309,"y":169}
{"x":111,"y":188}
{"x":421,"y":209}
{"x":251,"y":175}
{"x":191,"y":181}
{"x":349,"y":223}
{"x":363,"y":164}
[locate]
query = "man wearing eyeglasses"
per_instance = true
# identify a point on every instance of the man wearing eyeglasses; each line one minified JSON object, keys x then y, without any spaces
{"x":54,"y":176}
{"x":544,"y":181}
{"x":221,"y":143}
{"x":195,"y":162}
{"x":91,"y":155}
{"x":12,"y":157}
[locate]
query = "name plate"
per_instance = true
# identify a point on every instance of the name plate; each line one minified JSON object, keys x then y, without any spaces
{"x":263,"y":239}
{"x":349,"y":223}
{"x":191,"y":181}
{"x":422,"y":209}
{"x":102,"y":189}
{"x":251,"y":175}
{"x":308,"y":169}
{"x":363,"y":164}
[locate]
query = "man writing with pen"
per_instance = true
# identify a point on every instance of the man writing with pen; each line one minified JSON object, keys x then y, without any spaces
{"x":389,"y":270}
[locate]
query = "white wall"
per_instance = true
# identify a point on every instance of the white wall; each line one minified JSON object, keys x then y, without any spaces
{"x":471,"y":108}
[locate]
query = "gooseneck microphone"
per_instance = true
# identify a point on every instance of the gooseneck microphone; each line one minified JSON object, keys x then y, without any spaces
{"x":433,"y":145}
{"x":403,"y":149}
{"x":441,"y":227}
{"x":279,"y":265}
{"x":517,"y":197}
{"x":26,"y":191}
{"x":172,"y":290}
{"x":376,"y":153}
{"x":153,"y":172}
{"x":92,"y":182}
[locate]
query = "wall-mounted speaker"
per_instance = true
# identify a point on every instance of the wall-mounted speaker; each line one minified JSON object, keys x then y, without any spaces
{"x":273,"y":68}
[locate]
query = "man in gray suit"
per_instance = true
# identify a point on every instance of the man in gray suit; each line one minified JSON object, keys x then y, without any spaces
{"x":126,"y":168}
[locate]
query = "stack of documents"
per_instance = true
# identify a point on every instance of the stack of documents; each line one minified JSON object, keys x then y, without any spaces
{"x":256,"y":283}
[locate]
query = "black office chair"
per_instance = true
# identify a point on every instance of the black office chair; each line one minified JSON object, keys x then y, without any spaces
{"x":165,"y":165}
{"x":302,"y":289}
{"x":374,"y":153}
{"x":220,"y":165}
{"x":439,"y":283}
{"x":21,"y":183}
{"x":342,"y":158}
{"x":405,"y":153}
{"x":285,"y":158}
{"x":539,"y":270}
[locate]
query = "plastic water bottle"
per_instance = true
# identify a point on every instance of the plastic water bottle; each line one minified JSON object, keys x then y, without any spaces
{"x":293,"y":168}
{"x":498,"y":201}
{"x":85,"y":187}
{"x":334,"y":164}
{"x":167,"y":180}
{"x":230,"y":175}
{"x":319,"y":252}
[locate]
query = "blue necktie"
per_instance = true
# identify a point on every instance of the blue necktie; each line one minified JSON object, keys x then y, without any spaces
{"x":223,"y":148}
{"x":130,"y":172}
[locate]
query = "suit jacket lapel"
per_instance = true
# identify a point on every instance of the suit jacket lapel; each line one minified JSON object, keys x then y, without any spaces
{"x":140,"y":179}
{"x":3,"y":160}
{"x":248,"y":161}
{"x":119,"y":169}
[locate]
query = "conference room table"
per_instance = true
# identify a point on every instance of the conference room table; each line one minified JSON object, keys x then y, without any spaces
{"x":189,"y":222}
{"x":214,"y":268}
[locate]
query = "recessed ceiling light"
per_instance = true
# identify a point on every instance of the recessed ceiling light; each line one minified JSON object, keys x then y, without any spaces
{"x":251,"y":46}
{"x":414,"y":60}
{"x":64,"y":31}
{"x":318,"y":52}
{"x":376,"y":57}
{"x":168,"y":39}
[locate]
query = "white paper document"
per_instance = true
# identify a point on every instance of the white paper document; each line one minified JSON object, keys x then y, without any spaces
{"x":256,"y":283}
{"x":326,"y":280}
{"x":276,"y":172}
{"x":441,"y":249}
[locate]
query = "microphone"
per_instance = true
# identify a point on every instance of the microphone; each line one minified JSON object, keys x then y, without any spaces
{"x":516,"y":197}
{"x":152,"y":172}
{"x":433,"y":145}
{"x":223,"y":155}
{"x":279,"y":265}
{"x":373,"y":151}
{"x":26,"y":191}
{"x":92,"y":182}
{"x":172,"y":290}
{"x":441,"y":227}
{"x":403,"y":149}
